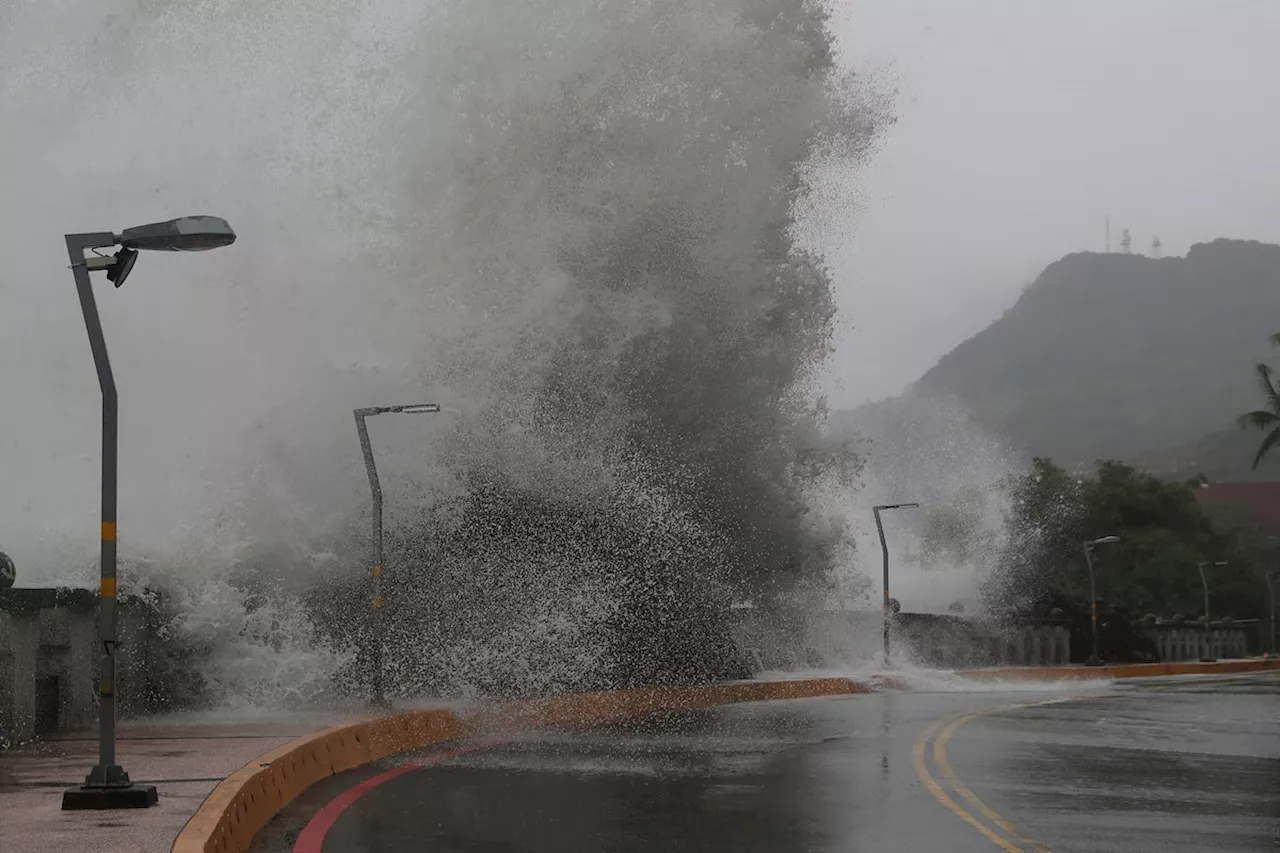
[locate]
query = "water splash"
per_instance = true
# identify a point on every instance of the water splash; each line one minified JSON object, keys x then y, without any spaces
{"x":929,"y":451}
{"x":571,"y":223}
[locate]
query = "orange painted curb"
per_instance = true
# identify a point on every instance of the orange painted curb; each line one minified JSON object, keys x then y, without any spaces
{"x":243,"y":803}
{"x":1132,"y":670}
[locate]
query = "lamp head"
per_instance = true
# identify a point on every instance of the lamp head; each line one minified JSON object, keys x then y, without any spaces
{"x":187,"y":234}
{"x":124,"y":261}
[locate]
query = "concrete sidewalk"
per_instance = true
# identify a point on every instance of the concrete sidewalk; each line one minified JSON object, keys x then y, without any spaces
{"x":184,"y":762}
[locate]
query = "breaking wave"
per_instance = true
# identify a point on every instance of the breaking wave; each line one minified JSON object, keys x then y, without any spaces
{"x":573,"y":223}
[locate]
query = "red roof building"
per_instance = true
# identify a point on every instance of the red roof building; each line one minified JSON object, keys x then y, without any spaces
{"x":1260,"y":500}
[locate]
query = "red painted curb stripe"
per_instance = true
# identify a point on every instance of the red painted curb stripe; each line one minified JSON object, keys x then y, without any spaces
{"x":311,"y":839}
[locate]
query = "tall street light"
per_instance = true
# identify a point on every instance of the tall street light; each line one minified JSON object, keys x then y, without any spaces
{"x":379,"y":695}
{"x":1094,"y":660}
{"x":884,"y":549}
{"x":107,"y":786}
{"x":1204,"y":582}
{"x":1271,"y":598}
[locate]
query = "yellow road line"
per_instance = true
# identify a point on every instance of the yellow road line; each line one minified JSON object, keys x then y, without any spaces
{"x":944,"y":767}
{"x":950,"y":724}
{"x":922,"y":770}
{"x":940,"y":758}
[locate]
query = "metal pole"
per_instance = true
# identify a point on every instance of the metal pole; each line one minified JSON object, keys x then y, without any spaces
{"x":884,"y":549}
{"x":107,"y":773}
{"x":1205,"y":584}
{"x":1271,"y":596}
{"x":375,"y":616}
{"x":107,"y":786}
{"x":1093,"y":603}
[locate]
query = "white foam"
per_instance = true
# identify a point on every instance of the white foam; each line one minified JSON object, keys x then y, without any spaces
{"x":407,"y":180}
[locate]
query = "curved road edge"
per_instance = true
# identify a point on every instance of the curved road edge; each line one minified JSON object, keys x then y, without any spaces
{"x":242,"y":804}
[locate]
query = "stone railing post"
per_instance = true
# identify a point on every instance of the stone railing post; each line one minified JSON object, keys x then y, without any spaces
{"x":24,"y":646}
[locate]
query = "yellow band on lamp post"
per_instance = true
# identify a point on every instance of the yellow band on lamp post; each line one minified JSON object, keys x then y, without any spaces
{"x":377,"y":601}
{"x":108,"y":588}
{"x":108,"y":531}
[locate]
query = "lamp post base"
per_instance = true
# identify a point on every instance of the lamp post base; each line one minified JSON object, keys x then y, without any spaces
{"x":1094,"y":662}
{"x":109,"y":788}
{"x":101,"y":798}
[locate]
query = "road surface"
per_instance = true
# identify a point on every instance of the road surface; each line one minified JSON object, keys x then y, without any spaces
{"x":1179,"y":767}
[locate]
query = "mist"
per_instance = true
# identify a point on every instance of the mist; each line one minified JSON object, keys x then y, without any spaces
{"x":587,"y":230}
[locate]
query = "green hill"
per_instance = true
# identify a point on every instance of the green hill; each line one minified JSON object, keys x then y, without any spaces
{"x":1123,"y":356}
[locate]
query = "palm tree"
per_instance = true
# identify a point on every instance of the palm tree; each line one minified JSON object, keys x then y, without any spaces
{"x":1266,"y":419}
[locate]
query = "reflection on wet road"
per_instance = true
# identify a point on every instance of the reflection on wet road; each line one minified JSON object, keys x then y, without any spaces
{"x":1188,"y":766}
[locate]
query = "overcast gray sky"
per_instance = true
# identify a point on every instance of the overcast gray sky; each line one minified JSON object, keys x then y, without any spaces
{"x":1022,"y":124}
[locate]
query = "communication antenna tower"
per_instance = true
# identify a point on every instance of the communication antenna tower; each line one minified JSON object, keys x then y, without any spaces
{"x":1155,"y":247}
{"x":1126,"y":242}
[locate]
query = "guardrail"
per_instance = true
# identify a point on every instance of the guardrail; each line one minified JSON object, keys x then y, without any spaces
{"x":1131,"y":670}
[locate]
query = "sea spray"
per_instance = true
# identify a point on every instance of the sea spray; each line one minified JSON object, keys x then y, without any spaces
{"x":570,"y":223}
{"x":925,"y":449}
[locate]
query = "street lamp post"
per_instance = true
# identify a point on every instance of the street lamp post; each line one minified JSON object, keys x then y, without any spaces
{"x":884,"y":549}
{"x":1204,"y":583}
{"x":1094,"y":660}
{"x":1271,"y":598}
{"x":108,"y":786}
{"x":375,"y":487}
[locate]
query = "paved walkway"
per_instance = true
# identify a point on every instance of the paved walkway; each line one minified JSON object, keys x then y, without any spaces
{"x":184,"y":762}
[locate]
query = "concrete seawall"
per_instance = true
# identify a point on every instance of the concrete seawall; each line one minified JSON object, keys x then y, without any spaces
{"x":49,"y":661}
{"x":46,"y":660}
{"x":1191,"y":642}
{"x":832,"y":639}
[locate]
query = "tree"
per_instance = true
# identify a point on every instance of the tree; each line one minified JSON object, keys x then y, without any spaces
{"x":1042,"y":524}
{"x":1163,"y":531}
{"x":1266,"y":419}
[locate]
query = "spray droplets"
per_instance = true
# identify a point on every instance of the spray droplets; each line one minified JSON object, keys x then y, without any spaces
{"x":572,"y":223}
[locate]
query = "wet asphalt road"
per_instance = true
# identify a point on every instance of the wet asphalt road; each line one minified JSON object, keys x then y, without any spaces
{"x":1190,"y":766}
